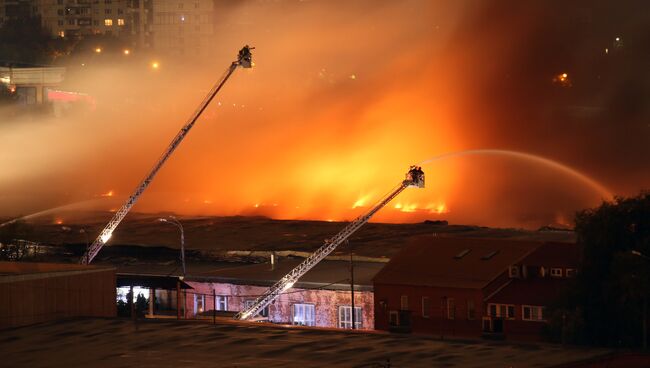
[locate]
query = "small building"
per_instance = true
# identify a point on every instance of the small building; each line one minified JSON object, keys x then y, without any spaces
{"x":38,"y":292}
{"x":472,"y":287}
{"x":321,"y":298}
{"x":31,"y":85}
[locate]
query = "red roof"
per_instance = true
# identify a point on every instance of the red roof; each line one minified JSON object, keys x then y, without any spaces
{"x":554,"y":254}
{"x":529,"y":291}
{"x":453,"y":262}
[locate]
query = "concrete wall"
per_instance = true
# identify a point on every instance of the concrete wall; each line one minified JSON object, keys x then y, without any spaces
{"x":326,"y":302}
{"x":31,"y":298}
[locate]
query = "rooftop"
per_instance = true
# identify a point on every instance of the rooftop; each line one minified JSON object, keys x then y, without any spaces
{"x":453,"y":262}
{"x":326,"y":274}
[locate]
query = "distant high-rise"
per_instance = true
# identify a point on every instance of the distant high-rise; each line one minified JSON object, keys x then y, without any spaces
{"x":179,"y":27}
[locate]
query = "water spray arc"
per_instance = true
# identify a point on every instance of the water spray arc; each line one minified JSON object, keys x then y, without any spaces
{"x":602,"y":191}
{"x":244,"y":59}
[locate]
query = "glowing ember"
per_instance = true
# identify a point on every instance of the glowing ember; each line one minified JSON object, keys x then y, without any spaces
{"x":107,"y":194}
{"x":59,"y":222}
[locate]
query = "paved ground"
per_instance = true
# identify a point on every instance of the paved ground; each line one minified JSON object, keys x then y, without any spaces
{"x":171,"y":343}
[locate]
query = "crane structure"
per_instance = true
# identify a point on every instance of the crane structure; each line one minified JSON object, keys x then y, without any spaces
{"x":244,"y":60}
{"x":414,"y":178}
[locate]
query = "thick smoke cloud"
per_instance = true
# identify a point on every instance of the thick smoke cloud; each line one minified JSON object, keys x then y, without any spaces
{"x":344,"y":96}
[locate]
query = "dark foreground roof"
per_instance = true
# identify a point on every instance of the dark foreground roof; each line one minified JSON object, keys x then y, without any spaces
{"x":530,"y":292}
{"x":326,"y":274}
{"x":453,"y":262}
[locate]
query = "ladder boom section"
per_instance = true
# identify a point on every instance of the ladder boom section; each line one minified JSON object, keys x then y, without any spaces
{"x":243,"y":60}
{"x":413,"y":178}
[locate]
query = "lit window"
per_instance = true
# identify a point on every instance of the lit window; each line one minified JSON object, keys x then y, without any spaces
{"x":345,"y":317}
{"x":451,"y":308}
{"x":501,"y":310}
{"x":199,"y":303}
{"x":222,"y":303}
{"x":426,"y":306}
{"x":304,"y":314}
{"x":61,"y":33}
{"x":108,"y":22}
{"x":120,"y":22}
{"x":532,"y":313}
{"x":556,"y":272}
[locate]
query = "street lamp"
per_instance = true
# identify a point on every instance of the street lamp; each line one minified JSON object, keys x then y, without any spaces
{"x":172,"y":220}
{"x":645,"y":304}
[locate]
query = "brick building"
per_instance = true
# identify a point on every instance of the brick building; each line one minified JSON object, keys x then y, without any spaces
{"x":472,"y":287}
{"x":321,"y":298}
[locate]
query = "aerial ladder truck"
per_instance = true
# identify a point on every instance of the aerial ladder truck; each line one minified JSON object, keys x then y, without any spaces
{"x":414,"y":178}
{"x":244,"y":60}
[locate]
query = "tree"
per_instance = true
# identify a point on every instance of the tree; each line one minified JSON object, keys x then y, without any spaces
{"x":607,"y":303}
{"x":23,"y":40}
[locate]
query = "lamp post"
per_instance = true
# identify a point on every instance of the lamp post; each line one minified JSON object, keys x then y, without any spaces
{"x":645,"y":305}
{"x":172,"y":220}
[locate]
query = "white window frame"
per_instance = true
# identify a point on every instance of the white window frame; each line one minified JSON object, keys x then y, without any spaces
{"x":345,"y":317}
{"x":404,"y":302}
{"x":535,"y":313}
{"x":556,"y":272}
{"x":303,"y":314}
{"x":500,"y":309}
{"x":393,"y":316}
{"x":199,"y":299}
{"x":221,"y":303}
{"x":514,"y":272}
{"x":249,"y":303}
{"x":426,"y":307}
{"x":451,"y":308}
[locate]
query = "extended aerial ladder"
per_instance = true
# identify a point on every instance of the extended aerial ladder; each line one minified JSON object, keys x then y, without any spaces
{"x":244,"y":59}
{"x":414,"y":178}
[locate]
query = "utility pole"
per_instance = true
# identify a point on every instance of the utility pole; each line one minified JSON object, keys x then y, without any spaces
{"x":352,"y":287}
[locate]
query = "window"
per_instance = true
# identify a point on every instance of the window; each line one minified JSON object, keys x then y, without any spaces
{"x":570,"y":272}
{"x":462,"y":254}
{"x":108,"y":22}
{"x":264,"y":312}
{"x":404,"y":302}
{"x":59,"y":12}
{"x":222,"y":303}
{"x":490,"y":255}
{"x":120,"y":22}
{"x":60,"y":22}
{"x":556,"y":272}
{"x":393,"y":318}
{"x":451,"y":308}
{"x":426,"y":306}
{"x":513,"y":272}
{"x":199,"y":303}
{"x":471,"y":310}
{"x":61,"y":33}
{"x":345,"y":317}
{"x":501,"y":310}
{"x":532,"y":313}
{"x":107,"y":11}
{"x":303,"y":314}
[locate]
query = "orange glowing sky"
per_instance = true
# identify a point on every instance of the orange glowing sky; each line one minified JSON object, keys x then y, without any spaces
{"x":343,"y":98}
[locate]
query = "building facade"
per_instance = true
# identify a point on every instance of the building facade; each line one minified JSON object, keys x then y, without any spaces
{"x":175,"y":27}
{"x":322,"y":298}
{"x":472,"y":287}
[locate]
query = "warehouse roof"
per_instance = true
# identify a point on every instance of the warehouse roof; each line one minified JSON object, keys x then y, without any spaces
{"x":453,"y":262}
